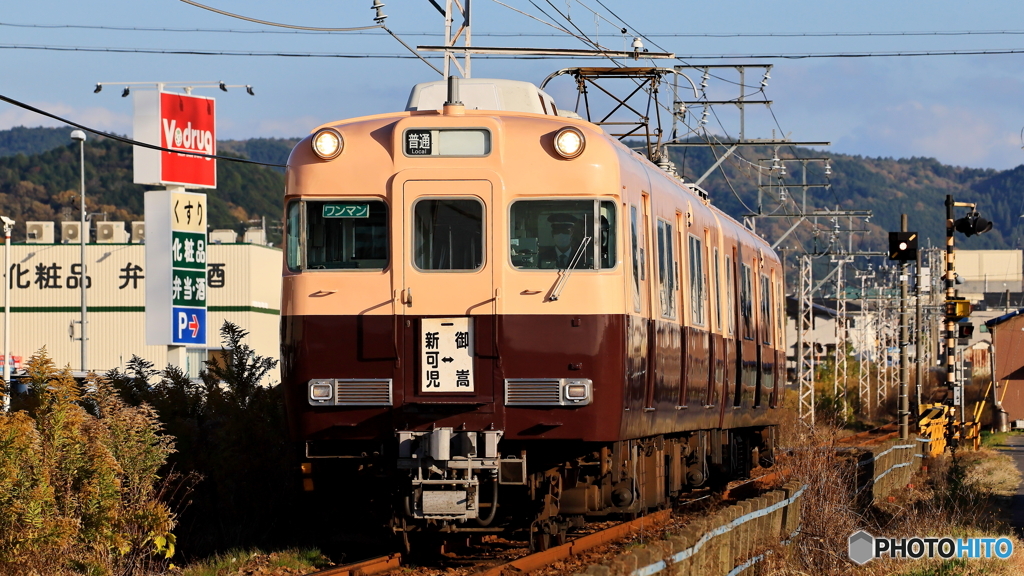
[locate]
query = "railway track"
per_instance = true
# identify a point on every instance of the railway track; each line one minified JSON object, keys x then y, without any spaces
{"x":494,"y":565}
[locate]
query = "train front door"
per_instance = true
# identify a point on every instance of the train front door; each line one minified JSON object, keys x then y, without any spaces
{"x":447,"y":289}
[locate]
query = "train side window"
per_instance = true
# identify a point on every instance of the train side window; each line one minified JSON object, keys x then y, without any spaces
{"x":448,"y":234}
{"x":666,"y":270}
{"x":780,"y":312}
{"x":698,"y":281}
{"x":766,"y":310}
{"x":730,"y":299}
{"x":547,"y":234}
{"x":346,"y":234}
{"x":608,"y":244}
{"x":718,"y":293}
{"x":292,"y":245}
{"x":635,"y":246}
{"x":746,"y":300}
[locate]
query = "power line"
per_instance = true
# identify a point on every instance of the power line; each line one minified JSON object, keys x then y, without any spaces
{"x":278,"y":24}
{"x":30,"y":108}
{"x":531,"y":16}
{"x":892,"y":54}
{"x":836,"y":34}
{"x":191,"y":52}
{"x":370,"y":32}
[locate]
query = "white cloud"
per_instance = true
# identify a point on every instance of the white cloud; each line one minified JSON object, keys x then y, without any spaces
{"x":953,"y":134}
{"x":93,"y":117}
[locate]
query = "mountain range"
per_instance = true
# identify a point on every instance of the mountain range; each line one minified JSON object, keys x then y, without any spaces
{"x":39,"y":180}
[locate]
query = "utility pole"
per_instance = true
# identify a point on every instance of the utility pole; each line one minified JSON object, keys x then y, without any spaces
{"x":864,"y":372}
{"x":464,"y":31}
{"x":8,"y":226}
{"x":950,"y":319}
{"x":919,"y":327}
{"x":957,"y":308}
{"x":839,"y":376}
{"x":804,"y":349}
{"x":83,"y":235}
{"x":882,"y":345}
{"x":904,"y":344}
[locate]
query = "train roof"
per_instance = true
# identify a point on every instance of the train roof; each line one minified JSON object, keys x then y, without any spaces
{"x":487,"y":94}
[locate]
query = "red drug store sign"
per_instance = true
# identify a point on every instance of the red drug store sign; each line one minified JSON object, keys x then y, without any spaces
{"x":177,"y":122}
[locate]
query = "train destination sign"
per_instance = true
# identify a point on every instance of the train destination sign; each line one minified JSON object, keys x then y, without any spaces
{"x":176,"y":254}
{"x":447,"y":142}
{"x":179,"y":122}
{"x":346,"y":210}
{"x":446,"y":355}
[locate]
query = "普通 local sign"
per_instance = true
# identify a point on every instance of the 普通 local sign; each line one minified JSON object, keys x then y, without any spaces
{"x":179,"y":122}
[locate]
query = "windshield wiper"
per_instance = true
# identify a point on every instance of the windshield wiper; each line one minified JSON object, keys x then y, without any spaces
{"x":567,"y":272}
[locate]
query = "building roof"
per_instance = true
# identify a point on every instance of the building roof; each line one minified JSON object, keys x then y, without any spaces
{"x":1000,"y":319}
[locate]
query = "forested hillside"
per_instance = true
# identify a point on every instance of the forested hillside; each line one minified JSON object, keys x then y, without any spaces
{"x":21,"y":140}
{"x":44,"y":186}
{"x":887,"y":187}
{"x":39,"y":181}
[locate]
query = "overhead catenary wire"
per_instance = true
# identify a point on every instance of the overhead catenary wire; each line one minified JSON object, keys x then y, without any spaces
{"x":536,"y":34}
{"x":125,"y":140}
{"x":278,"y":24}
{"x":531,"y":16}
{"x":379,"y":24}
{"x":257,"y":53}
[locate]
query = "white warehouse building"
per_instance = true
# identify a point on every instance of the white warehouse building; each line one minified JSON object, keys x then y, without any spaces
{"x":244,"y":287}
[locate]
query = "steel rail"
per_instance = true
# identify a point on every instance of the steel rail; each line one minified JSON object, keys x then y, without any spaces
{"x":364,"y":567}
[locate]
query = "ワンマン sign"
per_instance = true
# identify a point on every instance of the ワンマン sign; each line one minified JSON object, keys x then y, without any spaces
{"x":179,"y":122}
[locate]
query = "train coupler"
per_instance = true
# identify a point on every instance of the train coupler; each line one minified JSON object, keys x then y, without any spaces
{"x":446,"y":469}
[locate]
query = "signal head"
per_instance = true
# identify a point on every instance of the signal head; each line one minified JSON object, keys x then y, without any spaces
{"x":972,"y":224}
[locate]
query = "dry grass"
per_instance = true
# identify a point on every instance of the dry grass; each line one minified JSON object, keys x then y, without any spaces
{"x":955,"y":499}
{"x":991,"y":472}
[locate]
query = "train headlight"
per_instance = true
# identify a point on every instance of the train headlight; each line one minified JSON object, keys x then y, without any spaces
{"x":569,"y":142}
{"x":327,"y":143}
{"x":577,"y":391}
{"x":321,"y":391}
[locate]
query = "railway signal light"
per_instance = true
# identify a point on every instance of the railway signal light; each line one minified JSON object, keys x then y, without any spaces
{"x":972,"y":224}
{"x":902,"y":246}
{"x":958,"y":308}
{"x":965,"y":330}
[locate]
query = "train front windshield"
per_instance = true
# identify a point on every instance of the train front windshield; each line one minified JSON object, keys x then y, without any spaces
{"x":547,"y":234}
{"x":338,"y":235}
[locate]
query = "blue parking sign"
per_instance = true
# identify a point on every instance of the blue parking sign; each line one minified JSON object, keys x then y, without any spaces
{"x":189,"y":325}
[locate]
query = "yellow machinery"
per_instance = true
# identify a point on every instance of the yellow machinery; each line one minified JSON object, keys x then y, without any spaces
{"x":935,"y":420}
{"x":932,"y":426}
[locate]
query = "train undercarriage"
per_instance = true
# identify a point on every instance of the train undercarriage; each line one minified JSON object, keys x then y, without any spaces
{"x":446,"y":482}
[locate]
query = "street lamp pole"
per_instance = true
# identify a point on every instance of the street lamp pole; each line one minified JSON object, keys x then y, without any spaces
{"x":8,"y":226}
{"x":83,"y":236}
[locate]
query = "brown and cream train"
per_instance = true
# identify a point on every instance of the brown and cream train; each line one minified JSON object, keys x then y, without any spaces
{"x":497,"y":315}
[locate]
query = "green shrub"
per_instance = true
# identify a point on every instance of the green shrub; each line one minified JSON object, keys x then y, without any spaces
{"x":229,"y":429}
{"x":79,"y":489}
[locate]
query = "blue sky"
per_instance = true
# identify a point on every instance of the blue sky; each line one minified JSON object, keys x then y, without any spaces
{"x":963,"y":110}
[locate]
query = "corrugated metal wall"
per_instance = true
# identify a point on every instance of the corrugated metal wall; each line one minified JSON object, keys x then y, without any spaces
{"x":244,"y":287}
